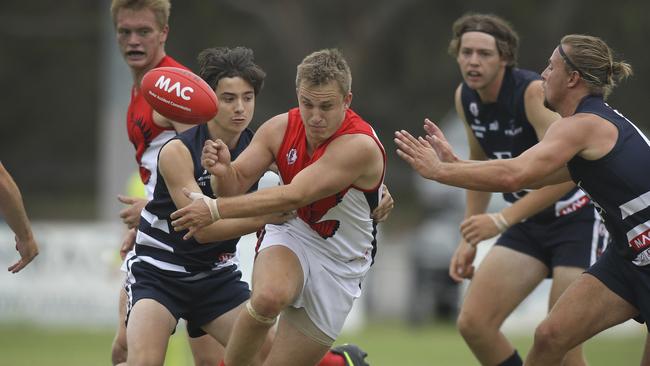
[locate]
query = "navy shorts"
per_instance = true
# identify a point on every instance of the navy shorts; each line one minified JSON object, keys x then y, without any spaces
{"x":575,"y":240}
{"x":198,"y":298}
{"x":628,"y":281}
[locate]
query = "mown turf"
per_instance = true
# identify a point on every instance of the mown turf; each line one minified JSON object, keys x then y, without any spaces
{"x":387,"y":343}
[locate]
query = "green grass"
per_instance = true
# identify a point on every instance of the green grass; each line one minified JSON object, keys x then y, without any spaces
{"x":387,"y":344}
{"x":440,"y":344}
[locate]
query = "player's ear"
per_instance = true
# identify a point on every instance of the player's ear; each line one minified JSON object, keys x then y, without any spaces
{"x":574,"y":77}
{"x":164,"y":33}
{"x":347,"y":100}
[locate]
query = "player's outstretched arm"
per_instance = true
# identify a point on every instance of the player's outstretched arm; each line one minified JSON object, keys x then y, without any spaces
{"x":349,"y":160}
{"x":439,"y":142}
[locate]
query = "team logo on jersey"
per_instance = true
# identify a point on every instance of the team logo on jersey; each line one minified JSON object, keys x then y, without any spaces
{"x":494,"y":126}
{"x":641,"y":241}
{"x":204,"y":179}
{"x":313,"y":214}
{"x":473,"y":109}
{"x":570,"y":207}
{"x":292,"y":156}
{"x":513,"y":131}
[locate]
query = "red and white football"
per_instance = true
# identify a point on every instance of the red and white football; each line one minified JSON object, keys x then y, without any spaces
{"x":179,"y":95}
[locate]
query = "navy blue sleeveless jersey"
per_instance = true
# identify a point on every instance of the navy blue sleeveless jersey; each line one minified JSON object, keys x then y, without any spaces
{"x":158,"y":244}
{"x":618,"y":183}
{"x":503,"y":131}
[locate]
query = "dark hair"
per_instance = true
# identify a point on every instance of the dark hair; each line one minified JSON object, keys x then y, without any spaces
{"x":223,"y":62}
{"x":592,"y":58}
{"x":506,"y":38}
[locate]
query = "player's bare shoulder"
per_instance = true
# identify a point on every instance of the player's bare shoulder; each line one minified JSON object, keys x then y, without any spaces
{"x":271,"y":132}
{"x":357,"y":143}
{"x":172,"y":150}
{"x":362,"y":153}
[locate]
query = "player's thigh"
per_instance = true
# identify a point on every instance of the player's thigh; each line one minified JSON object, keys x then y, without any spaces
{"x":221,"y":327}
{"x":586,"y":308}
{"x":206,"y":350}
{"x":503,"y":280}
{"x":563,"y":276}
{"x":277,"y":275}
{"x":149,"y":327}
{"x":292,"y":347}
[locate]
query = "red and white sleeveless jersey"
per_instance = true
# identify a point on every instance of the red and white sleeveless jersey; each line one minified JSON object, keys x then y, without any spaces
{"x":339,"y":225}
{"x":147,"y":137}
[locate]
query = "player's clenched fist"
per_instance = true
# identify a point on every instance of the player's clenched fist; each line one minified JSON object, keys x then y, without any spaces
{"x":215,"y":156}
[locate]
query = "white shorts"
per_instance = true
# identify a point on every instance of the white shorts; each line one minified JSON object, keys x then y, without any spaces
{"x":326,"y":296}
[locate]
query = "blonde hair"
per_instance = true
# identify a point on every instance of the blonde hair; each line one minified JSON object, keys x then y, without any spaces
{"x":324,"y":66}
{"x":160,"y":8}
{"x":592,"y":58}
{"x":506,"y":38}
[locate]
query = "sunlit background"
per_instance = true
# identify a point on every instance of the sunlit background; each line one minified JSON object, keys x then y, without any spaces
{"x":64,"y":93}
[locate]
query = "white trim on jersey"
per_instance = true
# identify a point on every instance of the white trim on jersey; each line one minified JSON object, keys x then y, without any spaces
{"x":596,"y":237}
{"x":630,"y":122}
{"x":638,"y":230}
{"x":635,"y":205}
{"x":144,"y":239}
{"x":162,"y":265}
{"x":149,"y":159}
{"x":154,"y":221}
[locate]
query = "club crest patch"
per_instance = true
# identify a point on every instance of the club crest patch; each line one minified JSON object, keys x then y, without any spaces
{"x":292,"y":156}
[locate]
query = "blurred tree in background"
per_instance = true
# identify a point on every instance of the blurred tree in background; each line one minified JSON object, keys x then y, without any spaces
{"x":50,"y":68}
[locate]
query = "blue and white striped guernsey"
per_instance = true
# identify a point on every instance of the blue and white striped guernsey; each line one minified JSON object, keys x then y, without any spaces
{"x":159,"y":245}
{"x":619,"y":183}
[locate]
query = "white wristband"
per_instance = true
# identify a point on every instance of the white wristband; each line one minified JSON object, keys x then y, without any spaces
{"x":500,"y":221}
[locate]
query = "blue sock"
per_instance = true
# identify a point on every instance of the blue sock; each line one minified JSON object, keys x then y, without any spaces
{"x":513,"y":360}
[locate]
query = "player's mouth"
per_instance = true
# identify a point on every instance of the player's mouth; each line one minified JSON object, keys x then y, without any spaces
{"x":135,"y":55}
{"x":239,"y":120}
{"x":318,"y":128}
{"x":473,"y":75}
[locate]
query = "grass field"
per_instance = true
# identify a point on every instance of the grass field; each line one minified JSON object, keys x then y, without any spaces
{"x":387,"y":344}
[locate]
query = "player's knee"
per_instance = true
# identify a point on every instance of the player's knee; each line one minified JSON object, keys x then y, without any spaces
{"x":548,"y":337}
{"x":269,"y":302}
{"x":145,"y":356}
{"x":471,"y":325}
